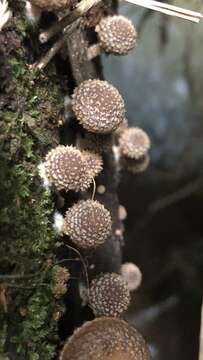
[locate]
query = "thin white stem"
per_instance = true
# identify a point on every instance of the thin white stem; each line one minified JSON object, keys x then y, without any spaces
{"x":169,"y":9}
{"x":94,"y":189}
{"x":201,"y":336}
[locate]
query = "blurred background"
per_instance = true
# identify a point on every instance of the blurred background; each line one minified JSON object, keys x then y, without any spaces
{"x":162,"y":83}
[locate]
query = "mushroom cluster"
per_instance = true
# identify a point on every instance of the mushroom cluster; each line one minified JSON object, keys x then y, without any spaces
{"x":99,"y":109}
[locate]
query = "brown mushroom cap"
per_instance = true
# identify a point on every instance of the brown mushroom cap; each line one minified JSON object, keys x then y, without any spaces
{"x":88,"y":223}
{"x":98,"y":106}
{"x":109,"y":295}
{"x":51,"y":5}
{"x":134,"y":143}
{"x":70,"y":169}
{"x":105,"y":339}
{"x":66,"y":168}
{"x":116,"y":34}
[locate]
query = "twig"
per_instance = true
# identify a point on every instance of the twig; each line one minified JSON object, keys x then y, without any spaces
{"x":177,"y":196}
{"x":83,"y":263}
{"x":201,"y":336}
{"x":79,"y":11}
{"x":16,"y":277}
{"x":55,"y":48}
{"x":169,"y":9}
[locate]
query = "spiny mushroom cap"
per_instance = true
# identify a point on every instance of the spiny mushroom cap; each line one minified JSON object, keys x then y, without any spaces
{"x":109,"y":295}
{"x":51,"y":4}
{"x":132,"y":275}
{"x":98,"y":106}
{"x":67,"y":168}
{"x":134,"y":143}
{"x":116,"y":34}
{"x":88,"y":223}
{"x":105,"y":338}
{"x":94,"y":162}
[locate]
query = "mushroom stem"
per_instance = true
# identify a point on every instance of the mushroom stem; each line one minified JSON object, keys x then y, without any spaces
{"x":201,"y":336}
{"x":79,"y":11}
{"x":94,"y":51}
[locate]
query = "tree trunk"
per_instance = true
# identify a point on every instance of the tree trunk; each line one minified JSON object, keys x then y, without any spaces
{"x":33,"y":321}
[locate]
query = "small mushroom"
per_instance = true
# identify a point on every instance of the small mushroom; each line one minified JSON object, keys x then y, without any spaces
{"x":122,"y":213}
{"x":109,"y":295}
{"x":105,"y":338}
{"x":69,"y":169}
{"x":116,"y":34}
{"x":88,"y":223}
{"x":132,"y":275}
{"x":50,"y":5}
{"x":98,"y":106}
{"x":134,"y":143}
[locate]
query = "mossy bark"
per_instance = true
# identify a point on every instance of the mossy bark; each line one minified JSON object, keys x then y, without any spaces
{"x":31,"y":123}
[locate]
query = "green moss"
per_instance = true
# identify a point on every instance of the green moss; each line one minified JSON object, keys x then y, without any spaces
{"x":28,"y":129}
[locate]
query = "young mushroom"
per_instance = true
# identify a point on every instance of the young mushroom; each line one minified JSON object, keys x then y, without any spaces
{"x":70,"y":169}
{"x":98,"y":106}
{"x":116,"y":34}
{"x":88,"y":223}
{"x":132,"y":275}
{"x":134,"y":143}
{"x":105,"y":338}
{"x":109,"y":295}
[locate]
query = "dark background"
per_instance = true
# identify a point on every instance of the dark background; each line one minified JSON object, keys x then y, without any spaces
{"x":162,"y":83}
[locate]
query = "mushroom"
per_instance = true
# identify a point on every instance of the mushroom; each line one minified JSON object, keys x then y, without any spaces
{"x":88,"y":223}
{"x":134,"y":143}
{"x":98,"y":106}
{"x":122,"y":213}
{"x":132,"y":275}
{"x":109,"y":295}
{"x":116,"y":34}
{"x":105,"y":338}
{"x":34,"y":8}
{"x":50,"y":5}
{"x":70,"y":169}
